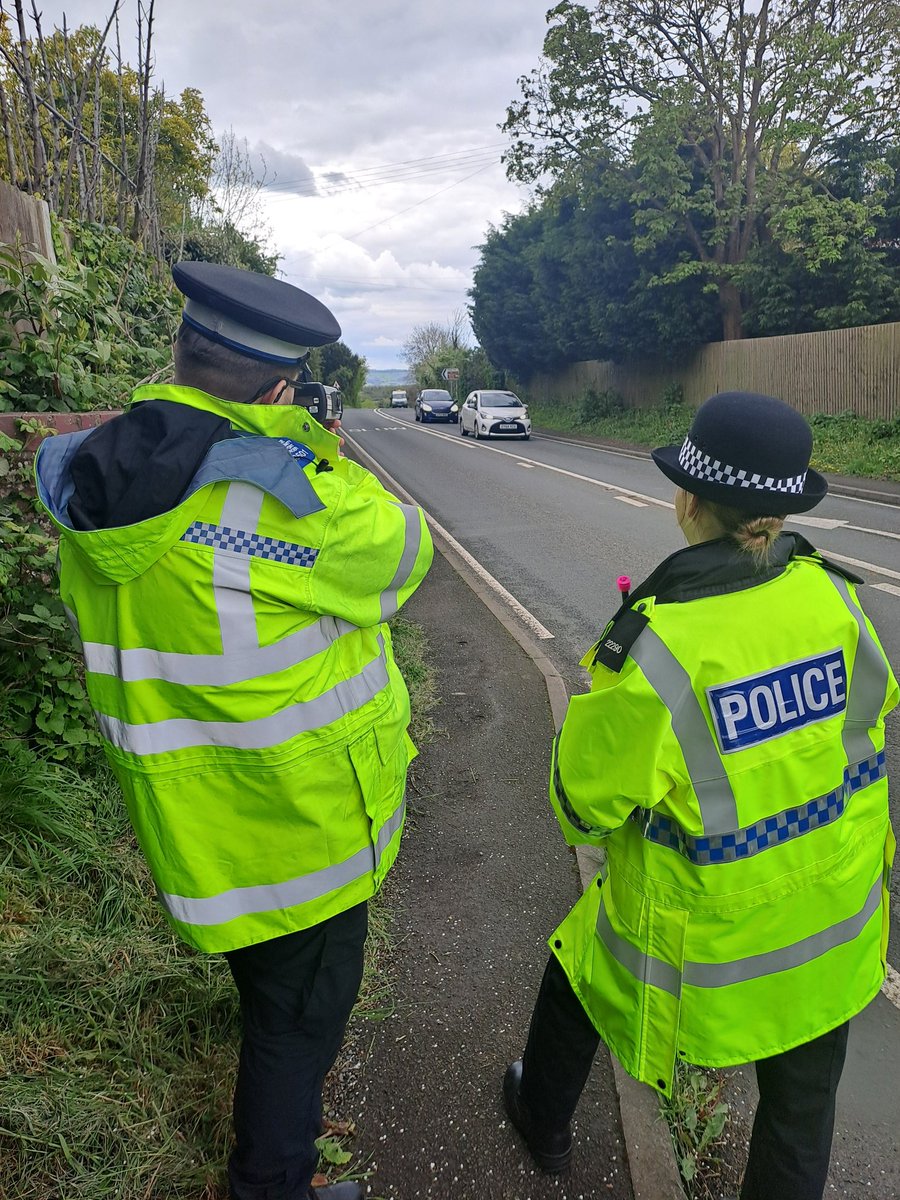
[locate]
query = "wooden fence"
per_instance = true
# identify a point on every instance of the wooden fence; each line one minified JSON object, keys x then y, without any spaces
{"x":841,"y":370}
{"x":22,"y":216}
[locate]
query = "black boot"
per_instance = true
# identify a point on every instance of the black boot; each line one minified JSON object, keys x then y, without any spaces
{"x":550,"y":1149}
{"x":348,"y":1190}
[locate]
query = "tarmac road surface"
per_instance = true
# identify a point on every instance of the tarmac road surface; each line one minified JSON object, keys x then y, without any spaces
{"x":555,"y":521}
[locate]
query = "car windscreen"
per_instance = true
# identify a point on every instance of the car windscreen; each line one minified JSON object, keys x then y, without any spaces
{"x":499,"y":400}
{"x":432,"y":396}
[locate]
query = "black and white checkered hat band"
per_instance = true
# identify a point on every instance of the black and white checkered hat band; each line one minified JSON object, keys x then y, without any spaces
{"x":702,"y":466}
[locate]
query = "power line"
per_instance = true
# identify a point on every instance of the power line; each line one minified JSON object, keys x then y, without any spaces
{"x":405,"y":176}
{"x":447,"y":158}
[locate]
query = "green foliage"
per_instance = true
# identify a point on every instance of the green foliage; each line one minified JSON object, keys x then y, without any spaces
{"x":81,"y":333}
{"x":672,"y":396}
{"x":697,"y":1116}
{"x":843,"y":444}
{"x":566,"y":282}
{"x":596,"y":405}
{"x":43,"y":703}
{"x":331,"y":1151}
{"x":338,"y":364}
{"x":723,"y":116}
{"x":119,"y":1045}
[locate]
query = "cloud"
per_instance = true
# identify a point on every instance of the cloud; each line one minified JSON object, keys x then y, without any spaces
{"x":281,"y":171}
{"x":381,"y":129}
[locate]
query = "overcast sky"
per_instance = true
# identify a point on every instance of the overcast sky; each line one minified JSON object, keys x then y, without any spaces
{"x":340,"y":94}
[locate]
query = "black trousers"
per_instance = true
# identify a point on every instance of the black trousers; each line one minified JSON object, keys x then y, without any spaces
{"x":791,"y":1143}
{"x":296,"y":996}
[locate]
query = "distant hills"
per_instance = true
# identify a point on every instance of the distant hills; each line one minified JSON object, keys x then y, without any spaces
{"x":395,"y":378}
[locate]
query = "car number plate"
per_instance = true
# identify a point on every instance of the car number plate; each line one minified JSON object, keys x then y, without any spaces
{"x":507,"y":425}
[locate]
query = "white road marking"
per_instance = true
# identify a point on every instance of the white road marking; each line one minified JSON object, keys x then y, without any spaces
{"x":529,"y":619}
{"x":528,"y":466}
{"x":815,"y":522}
{"x":600,"y":483}
{"x":891,"y":986}
{"x":858,"y":562}
{"x":628,"y":500}
{"x":620,"y":492}
{"x":887,"y":587}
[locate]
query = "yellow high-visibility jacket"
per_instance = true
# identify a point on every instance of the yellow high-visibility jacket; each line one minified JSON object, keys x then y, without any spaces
{"x":730,"y":757}
{"x":241,"y":671}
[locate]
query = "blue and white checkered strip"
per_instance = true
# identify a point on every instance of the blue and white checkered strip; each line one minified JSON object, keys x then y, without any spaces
{"x":703,"y":466}
{"x":222,"y":537}
{"x":771,"y":831}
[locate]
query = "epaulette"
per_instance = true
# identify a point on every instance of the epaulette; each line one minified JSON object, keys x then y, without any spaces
{"x":619,"y":636}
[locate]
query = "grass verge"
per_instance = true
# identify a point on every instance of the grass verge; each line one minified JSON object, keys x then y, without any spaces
{"x":843,"y":445}
{"x":119,"y":1044}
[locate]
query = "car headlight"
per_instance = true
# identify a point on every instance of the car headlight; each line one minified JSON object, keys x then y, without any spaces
{"x":454,"y":408}
{"x":426,"y":408}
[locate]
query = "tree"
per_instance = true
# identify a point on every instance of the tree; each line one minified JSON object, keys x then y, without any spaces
{"x":337,"y":364}
{"x":725,"y":114}
{"x":427,"y":341}
{"x":565,"y":282}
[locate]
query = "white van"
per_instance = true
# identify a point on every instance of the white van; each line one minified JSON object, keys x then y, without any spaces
{"x":398,"y":398}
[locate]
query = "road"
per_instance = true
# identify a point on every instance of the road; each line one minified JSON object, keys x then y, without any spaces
{"x":555,"y":522}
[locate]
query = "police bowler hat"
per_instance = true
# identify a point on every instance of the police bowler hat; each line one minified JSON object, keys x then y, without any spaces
{"x":256,"y":315}
{"x":749,"y":452}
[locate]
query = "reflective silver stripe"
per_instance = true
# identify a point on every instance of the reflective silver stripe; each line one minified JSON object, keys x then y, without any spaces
{"x":231,"y":572}
{"x":755,"y":966}
{"x":179,"y":733}
{"x":671,"y":682}
{"x":642,"y":966}
{"x":412,"y":542}
{"x":712,"y":975}
{"x":268,"y":897}
{"x":388,"y":829}
{"x":215,"y":670}
{"x":868,"y":684}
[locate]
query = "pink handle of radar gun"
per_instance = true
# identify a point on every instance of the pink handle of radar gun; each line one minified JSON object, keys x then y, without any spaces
{"x":623,"y":583}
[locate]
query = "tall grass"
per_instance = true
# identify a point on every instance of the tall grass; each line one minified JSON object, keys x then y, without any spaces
{"x":118,"y":1044}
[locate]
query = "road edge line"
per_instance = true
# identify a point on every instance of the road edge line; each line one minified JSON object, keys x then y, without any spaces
{"x":648,"y":1143}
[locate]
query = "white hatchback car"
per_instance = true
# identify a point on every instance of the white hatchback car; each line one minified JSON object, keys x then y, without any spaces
{"x":494,"y":414}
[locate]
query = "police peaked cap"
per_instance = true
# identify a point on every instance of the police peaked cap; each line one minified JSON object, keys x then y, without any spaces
{"x":256,"y":315}
{"x":747,"y":451}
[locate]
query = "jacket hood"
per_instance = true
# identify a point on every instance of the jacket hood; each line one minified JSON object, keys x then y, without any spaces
{"x":122,"y":495}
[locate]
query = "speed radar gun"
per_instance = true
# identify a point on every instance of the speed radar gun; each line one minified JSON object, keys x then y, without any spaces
{"x":321,"y":401}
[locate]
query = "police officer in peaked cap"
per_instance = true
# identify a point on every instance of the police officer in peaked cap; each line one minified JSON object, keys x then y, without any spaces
{"x":230,"y":574}
{"x":729,"y":757}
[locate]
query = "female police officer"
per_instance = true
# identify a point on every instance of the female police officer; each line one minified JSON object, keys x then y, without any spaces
{"x":730,"y":757}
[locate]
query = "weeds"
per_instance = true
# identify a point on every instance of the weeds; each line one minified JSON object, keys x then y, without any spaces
{"x":696,"y":1115}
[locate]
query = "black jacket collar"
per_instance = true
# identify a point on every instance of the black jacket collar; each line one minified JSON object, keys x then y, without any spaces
{"x":720,"y":566}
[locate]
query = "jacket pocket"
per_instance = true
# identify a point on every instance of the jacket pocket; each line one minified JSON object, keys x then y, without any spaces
{"x":380,"y":769}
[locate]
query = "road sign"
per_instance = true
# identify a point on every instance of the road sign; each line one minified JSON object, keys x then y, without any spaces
{"x":451,"y":374}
